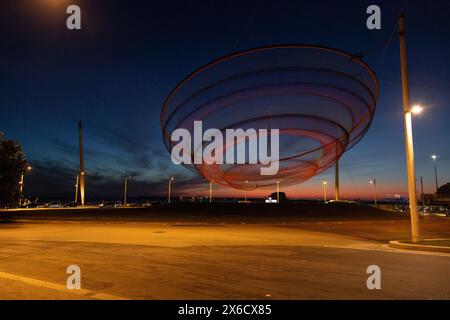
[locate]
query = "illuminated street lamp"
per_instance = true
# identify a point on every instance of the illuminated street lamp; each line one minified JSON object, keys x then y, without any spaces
{"x":408,"y":111}
{"x":374,"y":183}
{"x":21,"y":183}
{"x":278,"y":191}
{"x":170,"y":189}
{"x":434,"y":157}
{"x":416,"y":109}
{"x":324,"y":183}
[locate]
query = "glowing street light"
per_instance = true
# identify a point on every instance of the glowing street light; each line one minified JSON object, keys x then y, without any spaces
{"x":416,"y":109}
{"x":170,"y":189}
{"x":324,"y":183}
{"x":434,"y":157}
{"x":374,"y":183}
{"x":408,"y":111}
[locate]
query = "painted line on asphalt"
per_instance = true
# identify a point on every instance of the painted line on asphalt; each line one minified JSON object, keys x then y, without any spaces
{"x":386,"y":248}
{"x":59,"y":287}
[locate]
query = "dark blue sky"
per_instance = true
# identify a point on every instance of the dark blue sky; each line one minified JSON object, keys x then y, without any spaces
{"x":115,"y":73}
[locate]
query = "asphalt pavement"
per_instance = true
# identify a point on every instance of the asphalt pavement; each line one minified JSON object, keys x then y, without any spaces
{"x":211,"y":260}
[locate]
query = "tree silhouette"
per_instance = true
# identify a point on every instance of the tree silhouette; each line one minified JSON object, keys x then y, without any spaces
{"x":12,"y":165}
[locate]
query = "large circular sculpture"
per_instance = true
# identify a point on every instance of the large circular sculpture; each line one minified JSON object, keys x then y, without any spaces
{"x":322,"y":100}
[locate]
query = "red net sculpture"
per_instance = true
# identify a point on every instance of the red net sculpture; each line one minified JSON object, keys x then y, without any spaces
{"x":322,"y":100}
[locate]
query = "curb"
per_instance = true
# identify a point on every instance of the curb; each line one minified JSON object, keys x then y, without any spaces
{"x":419,"y":247}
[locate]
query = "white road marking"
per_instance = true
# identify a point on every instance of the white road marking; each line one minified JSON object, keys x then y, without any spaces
{"x":386,"y":248}
{"x":59,"y":287}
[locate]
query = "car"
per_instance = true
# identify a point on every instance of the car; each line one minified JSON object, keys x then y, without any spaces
{"x":109,"y":204}
{"x":28,"y":205}
{"x":341,"y":201}
{"x":54,"y":204}
{"x":71,"y":205}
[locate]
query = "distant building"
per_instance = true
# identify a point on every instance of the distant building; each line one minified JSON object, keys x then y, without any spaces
{"x":282,"y":196}
{"x":444,"y":191}
{"x":442,"y":197}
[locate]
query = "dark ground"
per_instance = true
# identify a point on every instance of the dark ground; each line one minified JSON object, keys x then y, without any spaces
{"x":213,"y":212}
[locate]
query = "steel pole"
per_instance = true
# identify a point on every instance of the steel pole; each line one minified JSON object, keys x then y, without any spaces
{"x":21,"y":189}
{"x":422,"y":195}
{"x":82,"y":173}
{"x":375,"y":192}
{"x":125,"y":191}
{"x":76,"y":189}
{"x":435,"y":175}
{"x":210,"y":191}
{"x":278,"y":191}
{"x":336,"y":181}
{"x":408,"y":135}
{"x":170,"y":187}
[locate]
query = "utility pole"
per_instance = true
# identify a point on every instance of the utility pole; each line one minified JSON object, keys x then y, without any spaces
{"x":374,"y":183}
{"x":82,"y":173}
{"x":408,"y":135}
{"x":278,"y":191}
{"x":170,"y":189}
{"x":76,"y":189}
{"x":21,"y":182}
{"x":422,"y":195}
{"x":435,"y":172}
{"x":125,"y":190}
{"x":210,"y":190}
{"x":246,"y":183}
{"x":21,"y":189}
{"x":336,"y":181}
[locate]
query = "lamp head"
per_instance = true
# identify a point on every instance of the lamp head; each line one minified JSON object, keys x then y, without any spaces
{"x":416,"y":109}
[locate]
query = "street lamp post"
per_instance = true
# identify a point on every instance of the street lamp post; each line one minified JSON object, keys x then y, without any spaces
{"x":125,"y":190}
{"x":434,"y":157}
{"x":336,"y":181}
{"x":76,"y":188}
{"x":210,"y":190}
{"x":324,"y":183}
{"x":278,"y":191}
{"x":21,"y":182}
{"x":422,"y":195}
{"x":170,"y":189}
{"x":408,"y":111}
{"x":82,"y":173}
{"x":374,"y":183}
{"x":245,"y":193}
